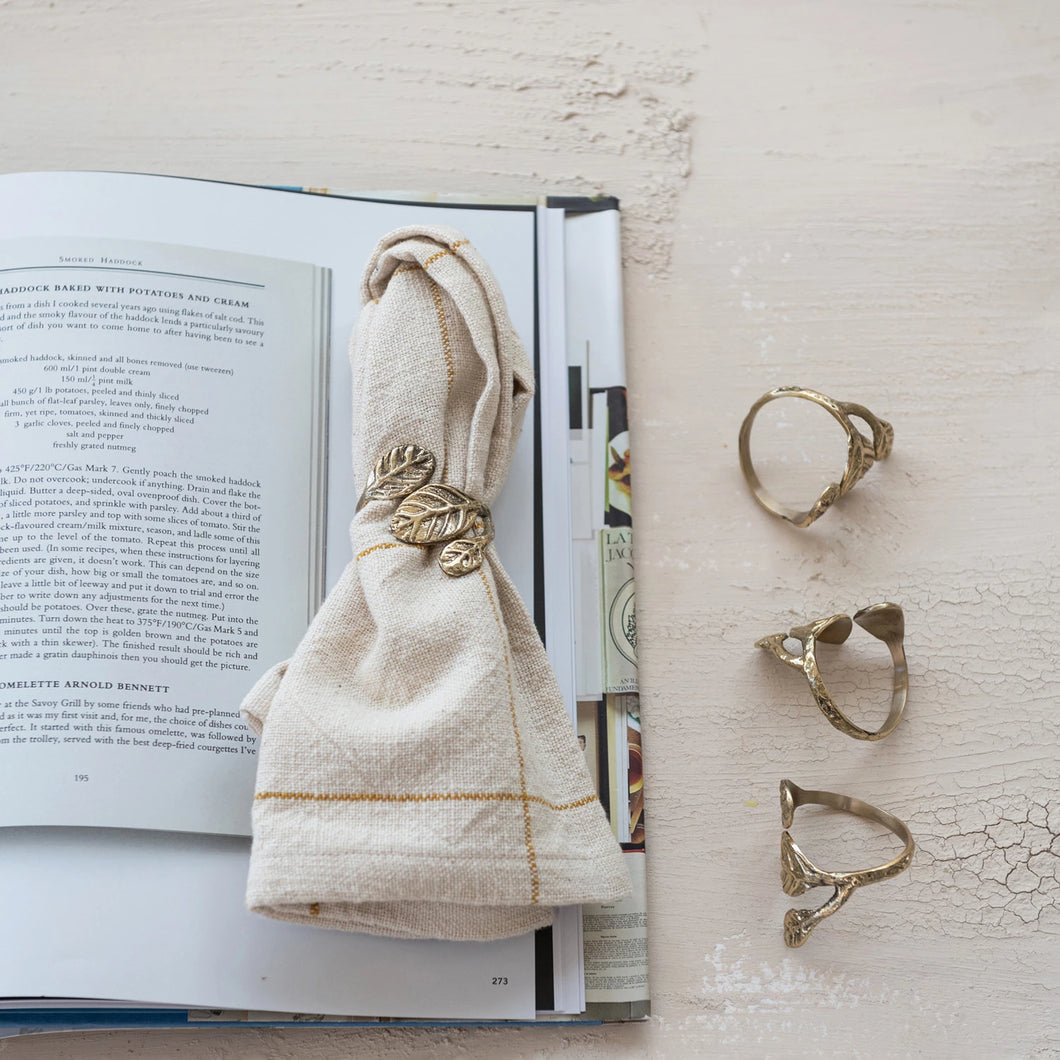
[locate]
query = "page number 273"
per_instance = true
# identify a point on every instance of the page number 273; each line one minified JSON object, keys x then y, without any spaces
{"x":499,"y":980}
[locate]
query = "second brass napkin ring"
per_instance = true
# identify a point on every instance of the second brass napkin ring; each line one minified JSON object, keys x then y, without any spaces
{"x":798,"y":874}
{"x":884,"y":621}
{"x":862,"y":452}
{"x":430,"y":513}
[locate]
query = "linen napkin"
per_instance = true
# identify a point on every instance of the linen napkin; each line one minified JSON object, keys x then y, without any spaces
{"x":418,"y":774}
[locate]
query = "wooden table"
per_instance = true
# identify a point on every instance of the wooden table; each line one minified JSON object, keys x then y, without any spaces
{"x":860,"y":198}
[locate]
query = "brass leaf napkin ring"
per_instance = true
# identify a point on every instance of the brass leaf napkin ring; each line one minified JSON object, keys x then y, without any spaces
{"x":884,"y":621}
{"x":862,"y":452}
{"x":430,"y":513}
{"x":798,"y":874}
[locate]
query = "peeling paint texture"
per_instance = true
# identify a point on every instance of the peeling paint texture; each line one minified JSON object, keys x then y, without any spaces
{"x":857,"y":198}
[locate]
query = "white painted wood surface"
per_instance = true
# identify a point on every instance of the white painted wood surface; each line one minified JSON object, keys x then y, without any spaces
{"x":857,"y":197}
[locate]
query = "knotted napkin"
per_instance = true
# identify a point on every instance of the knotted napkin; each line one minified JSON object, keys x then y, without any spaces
{"x":418,"y":774}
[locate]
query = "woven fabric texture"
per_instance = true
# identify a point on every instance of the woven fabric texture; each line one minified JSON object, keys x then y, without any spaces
{"x":418,"y":774}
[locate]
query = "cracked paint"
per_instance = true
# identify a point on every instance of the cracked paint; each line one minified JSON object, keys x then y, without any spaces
{"x":998,"y":858}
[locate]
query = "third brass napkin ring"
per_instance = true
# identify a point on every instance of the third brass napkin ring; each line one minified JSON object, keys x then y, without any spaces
{"x":862,"y":452}
{"x":430,"y":513}
{"x":884,"y":621}
{"x":798,"y":874}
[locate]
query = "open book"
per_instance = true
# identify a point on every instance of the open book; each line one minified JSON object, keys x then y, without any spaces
{"x":174,"y":498}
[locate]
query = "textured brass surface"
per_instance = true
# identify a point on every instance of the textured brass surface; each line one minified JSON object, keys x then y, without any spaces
{"x":430,"y":513}
{"x":398,"y":473}
{"x":884,"y":621}
{"x":798,"y":873}
{"x":460,"y":557}
{"x":434,"y":514}
{"x":862,"y":452}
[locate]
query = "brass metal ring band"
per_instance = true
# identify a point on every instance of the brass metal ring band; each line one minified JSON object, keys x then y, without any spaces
{"x":886,"y":622}
{"x":862,"y":452}
{"x":799,"y":874}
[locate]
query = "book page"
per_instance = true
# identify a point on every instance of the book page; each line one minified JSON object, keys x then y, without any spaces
{"x":615,"y":934}
{"x":336,"y":233}
{"x":160,"y":429}
{"x":216,"y":954}
{"x":176,"y":930}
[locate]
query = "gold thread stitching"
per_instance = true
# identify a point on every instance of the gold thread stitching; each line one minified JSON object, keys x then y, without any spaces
{"x":413,"y":266}
{"x":388,"y":544}
{"x":434,"y":257}
{"x":447,"y":352}
{"x":430,"y":796}
{"x":531,"y":857}
{"x":447,"y":348}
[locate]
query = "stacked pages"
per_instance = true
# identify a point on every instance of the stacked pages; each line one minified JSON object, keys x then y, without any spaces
{"x":175,"y":493}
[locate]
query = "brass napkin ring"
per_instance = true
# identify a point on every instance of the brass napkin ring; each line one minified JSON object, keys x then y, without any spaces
{"x":862,"y":452}
{"x":430,"y":513}
{"x":884,"y":621}
{"x":798,"y":874}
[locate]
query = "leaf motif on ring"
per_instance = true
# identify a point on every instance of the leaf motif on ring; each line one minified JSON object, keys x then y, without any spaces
{"x":461,"y":557}
{"x":398,"y":473}
{"x":797,"y":876}
{"x":798,"y":923}
{"x":433,"y":514}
